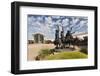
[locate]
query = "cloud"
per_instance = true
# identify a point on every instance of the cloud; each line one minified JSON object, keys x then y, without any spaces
{"x":56,"y":17}
{"x":48,"y":24}
{"x":48,"y":20}
{"x":65,"y":22}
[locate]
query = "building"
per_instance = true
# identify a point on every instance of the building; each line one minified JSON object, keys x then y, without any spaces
{"x":80,"y":35}
{"x":30,"y":41}
{"x":38,"y":38}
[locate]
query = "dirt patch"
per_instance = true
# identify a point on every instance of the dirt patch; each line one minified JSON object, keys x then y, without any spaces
{"x":34,"y":49}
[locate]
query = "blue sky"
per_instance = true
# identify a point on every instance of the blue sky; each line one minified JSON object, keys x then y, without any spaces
{"x":47,"y":24}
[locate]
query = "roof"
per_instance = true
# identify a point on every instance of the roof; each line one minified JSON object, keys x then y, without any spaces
{"x":79,"y":34}
{"x":38,"y":34}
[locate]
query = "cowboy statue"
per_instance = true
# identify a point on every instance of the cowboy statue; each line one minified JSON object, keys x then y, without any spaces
{"x":68,"y":38}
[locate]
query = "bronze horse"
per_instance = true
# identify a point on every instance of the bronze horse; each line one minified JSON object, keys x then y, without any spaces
{"x":68,"y":40}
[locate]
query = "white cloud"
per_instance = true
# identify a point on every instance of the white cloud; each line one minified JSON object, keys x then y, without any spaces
{"x":65,"y":22}
{"x":56,"y":17}
{"x":48,"y":20}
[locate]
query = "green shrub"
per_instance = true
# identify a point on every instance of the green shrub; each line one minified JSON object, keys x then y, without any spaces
{"x":44,"y":52}
{"x":84,"y":50}
{"x":66,"y":55}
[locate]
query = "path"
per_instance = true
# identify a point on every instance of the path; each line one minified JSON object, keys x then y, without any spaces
{"x":34,"y":49}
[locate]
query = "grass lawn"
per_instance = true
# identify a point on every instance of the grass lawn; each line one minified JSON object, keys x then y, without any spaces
{"x":67,"y":55}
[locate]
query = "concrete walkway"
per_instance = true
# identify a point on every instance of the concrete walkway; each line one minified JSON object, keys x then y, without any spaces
{"x":34,"y":49}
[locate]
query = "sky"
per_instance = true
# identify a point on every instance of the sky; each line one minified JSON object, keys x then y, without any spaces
{"x":47,"y":24}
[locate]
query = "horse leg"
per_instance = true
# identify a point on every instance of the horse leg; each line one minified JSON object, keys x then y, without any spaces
{"x":69,"y":44}
{"x":56,"y":46}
